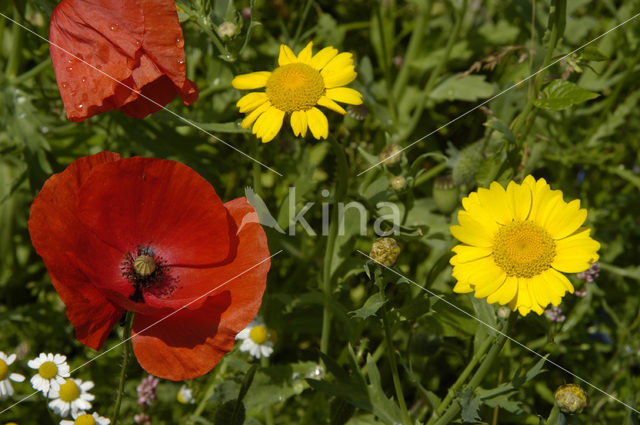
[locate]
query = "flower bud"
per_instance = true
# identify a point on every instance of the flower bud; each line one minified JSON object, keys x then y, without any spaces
{"x":571,"y":398}
{"x":390,"y":154}
{"x":398,"y":183}
{"x":504,"y":312}
{"x":445,"y":194}
{"x":385,"y":251}
{"x":227,"y":29}
{"x":466,"y":166}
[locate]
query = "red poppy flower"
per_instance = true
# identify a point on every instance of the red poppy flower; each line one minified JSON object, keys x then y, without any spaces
{"x":136,"y":52}
{"x":151,"y":236}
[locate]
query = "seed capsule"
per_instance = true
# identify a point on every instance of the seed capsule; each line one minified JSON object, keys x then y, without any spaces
{"x":144,"y":265}
{"x":385,"y":251}
{"x":571,"y":398}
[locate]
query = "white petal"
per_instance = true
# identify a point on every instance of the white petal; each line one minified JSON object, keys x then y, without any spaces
{"x":10,"y":359}
{"x":16,"y":377}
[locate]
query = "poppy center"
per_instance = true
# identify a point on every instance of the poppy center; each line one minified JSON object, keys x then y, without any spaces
{"x":48,"y":370}
{"x":259,"y":334}
{"x":4,"y":370}
{"x":147,"y":271}
{"x":523,"y":249}
{"x":85,"y":419}
{"x":295,"y":87}
{"x":144,"y":265}
{"x":69,"y":391}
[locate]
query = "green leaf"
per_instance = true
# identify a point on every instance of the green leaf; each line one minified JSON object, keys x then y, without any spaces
{"x":469,"y":405}
{"x":469,"y":88}
{"x":383,"y":407}
{"x":370,"y":307}
{"x":592,"y":53}
{"x":561,"y":94}
{"x":222,"y":127}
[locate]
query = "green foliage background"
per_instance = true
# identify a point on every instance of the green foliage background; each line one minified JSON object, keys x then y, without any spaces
{"x":422,"y":65}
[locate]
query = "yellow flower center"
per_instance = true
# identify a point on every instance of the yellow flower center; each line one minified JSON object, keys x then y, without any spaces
{"x":48,"y":370}
{"x":144,"y":265}
{"x":85,"y":419}
{"x":4,"y":370}
{"x":69,"y":391}
{"x":259,"y":334}
{"x":523,"y":249}
{"x":295,"y":87}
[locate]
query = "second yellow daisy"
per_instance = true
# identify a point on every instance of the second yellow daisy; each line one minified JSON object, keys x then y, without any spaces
{"x":294,"y":89}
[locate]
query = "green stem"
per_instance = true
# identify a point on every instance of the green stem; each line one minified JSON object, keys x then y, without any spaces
{"x":268,"y":413}
{"x":15,"y":56}
{"x":553,"y":416}
{"x":556,"y":34}
{"x":433,"y":78}
{"x":25,"y":76}
{"x":397,"y":384}
{"x":414,"y":47}
{"x":341,"y":185}
{"x":209,"y":390}
{"x":496,"y":342}
{"x":385,"y":60}
{"x":257,"y":171}
{"x":126,"y":336}
{"x":303,"y":18}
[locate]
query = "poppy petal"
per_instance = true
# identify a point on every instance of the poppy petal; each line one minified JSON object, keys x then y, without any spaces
{"x":53,"y":226}
{"x":190,"y":342}
{"x":245,"y":275}
{"x":163,"y":204}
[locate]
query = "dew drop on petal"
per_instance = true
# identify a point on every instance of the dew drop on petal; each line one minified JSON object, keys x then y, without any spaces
{"x":65,"y":85}
{"x":113,"y":27}
{"x":137,"y":43}
{"x":69,"y":68}
{"x":84,"y":80}
{"x":180,"y":61}
{"x":178,"y":40}
{"x":80,"y":106}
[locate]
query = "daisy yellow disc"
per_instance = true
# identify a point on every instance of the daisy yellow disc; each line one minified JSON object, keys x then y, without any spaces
{"x":518,"y":242}
{"x":295,"y":90}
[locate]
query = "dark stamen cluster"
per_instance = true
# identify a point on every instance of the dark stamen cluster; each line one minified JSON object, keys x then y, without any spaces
{"x":140,"y":282}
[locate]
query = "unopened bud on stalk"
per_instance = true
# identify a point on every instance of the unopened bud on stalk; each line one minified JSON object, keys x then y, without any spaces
{"x":398,"y":183}
{"x":390,"y":154}
{"x":385,"y":251}
{"x":445,"y":194}
{"x":227,"y":29}
{"x":571,"y":398}
{"x":504,"y":312}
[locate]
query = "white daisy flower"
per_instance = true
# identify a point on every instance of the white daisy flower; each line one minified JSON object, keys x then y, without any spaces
{"x":52,"y":369}
{"x":87,"y":419}
{"x":185,"y":395}
{"x":6,"y":390}
{"x":72,"y":397}
{"x":256,"y":339}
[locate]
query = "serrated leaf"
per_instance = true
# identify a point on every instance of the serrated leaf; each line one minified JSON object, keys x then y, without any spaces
{"x":469,"y":88}
{"x":470,"y":406}
{"x":383,"y":407}
{"x":562,"y":94}
{"x":370,"y":307}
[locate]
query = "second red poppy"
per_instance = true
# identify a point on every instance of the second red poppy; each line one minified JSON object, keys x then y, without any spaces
{"x":118,"y":54}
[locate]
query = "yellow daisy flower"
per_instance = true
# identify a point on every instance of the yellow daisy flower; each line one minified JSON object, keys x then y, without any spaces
{"x":517,"y":242}
{"x":295,"y":88}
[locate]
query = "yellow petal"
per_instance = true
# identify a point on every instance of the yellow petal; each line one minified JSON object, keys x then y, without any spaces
{"x":557,"y":285}
{"x":286,"y":56}
{"x":318,"y":123}
{"x":339,"y":71}
{"x":345,"y":95}
{"x":328,"y":103}
{"x":472,"y":232}
{"x":251,"y":101}
{"x":523,"y":302}
{"x":305,"y":54}
{"x":320,"y":59}
{"x":269,"y":124}
{"x":506,"y":292}
{"x":249,"y":119}
{"x":494,"y":200}
{"x":519,"y":200}
{"x":255,"y":80}
{"x":575,"y":253}
{"x":541,"y":292}
{"x":462,"y":288}
{"x":299,"y":123}
{"x":565,"y":219}
{"x":473,"y":206}
{"x":466,"y":253}
{"x":488,"y":277}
